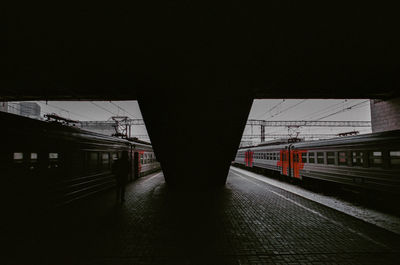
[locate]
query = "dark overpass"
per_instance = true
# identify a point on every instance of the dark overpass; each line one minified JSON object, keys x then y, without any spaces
{"x":199,"y":61}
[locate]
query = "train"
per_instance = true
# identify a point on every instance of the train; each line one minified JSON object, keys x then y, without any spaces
{"x":49,"y":164}
{"x":368,"y":162}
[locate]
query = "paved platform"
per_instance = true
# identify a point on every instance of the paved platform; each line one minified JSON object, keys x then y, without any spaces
{"x":246,"y":222}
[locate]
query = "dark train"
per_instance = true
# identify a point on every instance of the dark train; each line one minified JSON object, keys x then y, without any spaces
{"x":49,"y":164}
{"x":370,"y":162}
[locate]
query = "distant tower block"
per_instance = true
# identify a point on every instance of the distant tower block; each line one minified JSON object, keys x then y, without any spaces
{"x":385,"y":115}
{"x":4,"y":106}
{"x":29,"y":109}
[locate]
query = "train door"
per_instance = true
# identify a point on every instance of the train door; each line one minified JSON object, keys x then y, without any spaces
{"x":136,"y":165}
{"x":248,"y":159}
{"x":284,"y":162}
{"x":131,"y":164}
{"x":296,"y":162}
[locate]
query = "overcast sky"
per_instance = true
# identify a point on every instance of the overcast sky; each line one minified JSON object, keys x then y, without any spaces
{"x":309,"y":109}
{"x":266,"y":109}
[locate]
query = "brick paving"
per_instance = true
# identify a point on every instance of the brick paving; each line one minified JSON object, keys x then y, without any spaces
{"x":245,"y":222}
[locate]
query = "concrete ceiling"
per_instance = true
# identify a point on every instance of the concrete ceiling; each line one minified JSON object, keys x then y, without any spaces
{"x":271,"y":49}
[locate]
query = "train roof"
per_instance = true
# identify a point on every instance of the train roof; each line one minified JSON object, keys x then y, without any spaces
{"x":140,"y":144}
{"x":264,"y":147}
{"x":21,"y":125}
{"x":372,"y":138}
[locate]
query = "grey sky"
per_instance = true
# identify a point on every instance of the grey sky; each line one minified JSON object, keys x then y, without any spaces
{"x":267,"y":109}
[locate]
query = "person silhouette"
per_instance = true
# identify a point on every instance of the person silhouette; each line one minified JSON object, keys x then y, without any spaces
{"x":121,"y":170}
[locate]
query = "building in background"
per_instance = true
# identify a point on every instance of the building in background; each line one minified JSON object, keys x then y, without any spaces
{"x":4,"y":106}
{"x":27,"y":109}
{"x":385,"y":115}
{"x":102,"y":127}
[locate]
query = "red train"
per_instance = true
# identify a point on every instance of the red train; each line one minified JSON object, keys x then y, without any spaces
{"x":370,"y":161}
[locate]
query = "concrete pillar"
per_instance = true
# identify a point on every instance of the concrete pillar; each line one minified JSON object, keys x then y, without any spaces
{"x":195,"y":137}
{"x":385,"y":115}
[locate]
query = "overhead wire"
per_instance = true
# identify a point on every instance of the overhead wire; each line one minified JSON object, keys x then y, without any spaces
{"x":291,"y":107}
{"x":343,"y":110}
{"x":337,"y":112}
{"x":324,"y":110}
{"x":69,"y":111}
{"x":103,"y":108}
{"x":341,"y":106}
{"x":118,"y":106}
{"x":274,"y":107}
{"x":52,"y":106}
{"x":310,"y":115}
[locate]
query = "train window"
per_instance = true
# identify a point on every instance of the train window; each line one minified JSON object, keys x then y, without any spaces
{"x":375,"y":158}
{"x":18,"y":157}
{"x":53,"y":155}
{"x":395,"y":158}
{"x":304,"y":157}
{"x":320,"y":158}
{"x":53,"y":158}
{"x":311,"y":157}
{"x":330,"y":158}
{"x":105,"y":158}
{"x":115,"y":156}
{"x":93,"y":159}
{"x":357,"y":158}
{"x":33,"y":160}
{"x":342,"y":158}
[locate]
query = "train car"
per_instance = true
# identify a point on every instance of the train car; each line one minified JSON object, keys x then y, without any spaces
{"x":266,"y":157}
{"x":48,"y":164}
{"x":369,"y":162}
{"x":143,"y":159}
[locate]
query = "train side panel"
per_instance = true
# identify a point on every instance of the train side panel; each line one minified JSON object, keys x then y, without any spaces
{"x":370,"y":162}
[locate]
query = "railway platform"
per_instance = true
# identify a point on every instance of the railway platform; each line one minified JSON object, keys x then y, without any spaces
{"x":246,"y":222}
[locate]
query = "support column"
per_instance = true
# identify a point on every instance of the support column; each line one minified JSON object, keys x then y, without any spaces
{"x":195,"y":137}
